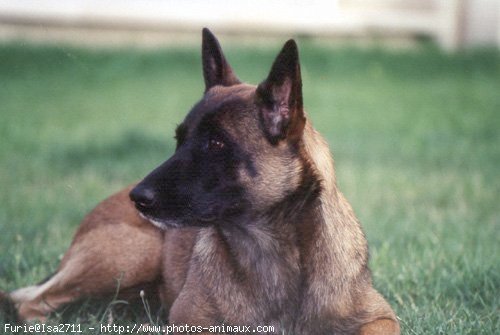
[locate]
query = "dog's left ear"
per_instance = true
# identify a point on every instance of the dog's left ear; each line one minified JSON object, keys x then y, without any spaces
{"x":279,"y":97}
{"x":216,"y":70}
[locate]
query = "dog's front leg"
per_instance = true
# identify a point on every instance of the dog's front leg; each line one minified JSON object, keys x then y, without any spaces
{"x":380,"y":327}
{"x":193,"y":309}
{"x":380,"y":318}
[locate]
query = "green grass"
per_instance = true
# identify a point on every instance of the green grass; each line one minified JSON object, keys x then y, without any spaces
{"x":416,"y":138}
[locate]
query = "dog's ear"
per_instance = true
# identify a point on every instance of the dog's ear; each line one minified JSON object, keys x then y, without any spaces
{"x":279,"y":97}
{"x":216,"y":70}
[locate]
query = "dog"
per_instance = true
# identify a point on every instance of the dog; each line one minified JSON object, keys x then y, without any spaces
{"x":243,"y":226}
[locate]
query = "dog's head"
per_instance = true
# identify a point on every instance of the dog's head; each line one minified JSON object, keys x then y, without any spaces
{"x":238,"y":150}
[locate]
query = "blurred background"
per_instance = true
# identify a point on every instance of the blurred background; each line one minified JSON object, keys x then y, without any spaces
{"x":406,"y":92}
{"x":451,"y":23}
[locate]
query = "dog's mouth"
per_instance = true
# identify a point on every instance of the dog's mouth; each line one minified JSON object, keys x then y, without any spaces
{"x":162,"y":224}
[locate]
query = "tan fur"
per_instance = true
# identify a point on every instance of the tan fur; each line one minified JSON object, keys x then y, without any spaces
{"x":380,"y":326}
{"x":113,"y":249}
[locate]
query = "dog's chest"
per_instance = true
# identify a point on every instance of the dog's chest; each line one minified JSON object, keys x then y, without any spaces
{"x":250,"y":281}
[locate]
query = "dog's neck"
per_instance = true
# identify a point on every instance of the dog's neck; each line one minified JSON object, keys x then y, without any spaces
{"x":339,"y":224}
{"x":337,"y":252}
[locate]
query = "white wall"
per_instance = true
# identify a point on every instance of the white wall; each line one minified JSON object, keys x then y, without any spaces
{"x":482,"y":22}
{"x":451,"y":22}
{"x":273,"y":14}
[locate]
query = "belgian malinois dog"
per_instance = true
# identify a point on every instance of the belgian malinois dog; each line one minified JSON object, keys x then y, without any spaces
{"x":244,"y":225}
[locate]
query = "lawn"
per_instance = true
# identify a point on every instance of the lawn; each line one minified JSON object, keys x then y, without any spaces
{"x":415,"y":136}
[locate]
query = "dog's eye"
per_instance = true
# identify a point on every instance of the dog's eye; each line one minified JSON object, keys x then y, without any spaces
{"x":215,"y":144}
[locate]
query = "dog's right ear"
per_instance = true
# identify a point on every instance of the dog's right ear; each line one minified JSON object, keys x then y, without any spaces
{"x":280,"y":97}
{"x":216,"y":70}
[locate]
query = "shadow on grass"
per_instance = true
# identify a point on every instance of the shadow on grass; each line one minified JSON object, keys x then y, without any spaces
{"x":7,"y":310}
{"x":94,"y":312}
{"x":98,"y":312}
{"x":132,"y":147}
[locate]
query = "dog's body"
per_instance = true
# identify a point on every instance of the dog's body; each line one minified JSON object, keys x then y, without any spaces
{"x":253,"y":228}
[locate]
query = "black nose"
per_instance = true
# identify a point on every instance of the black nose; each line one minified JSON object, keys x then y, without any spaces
{"x":142,"y":196}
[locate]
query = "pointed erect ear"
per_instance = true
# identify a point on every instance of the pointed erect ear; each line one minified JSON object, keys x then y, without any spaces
{"x":280,"y":97}
{"x":216,"y":70}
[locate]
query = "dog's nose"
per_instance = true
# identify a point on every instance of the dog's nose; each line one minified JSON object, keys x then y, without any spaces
{"x":143,"y":197}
